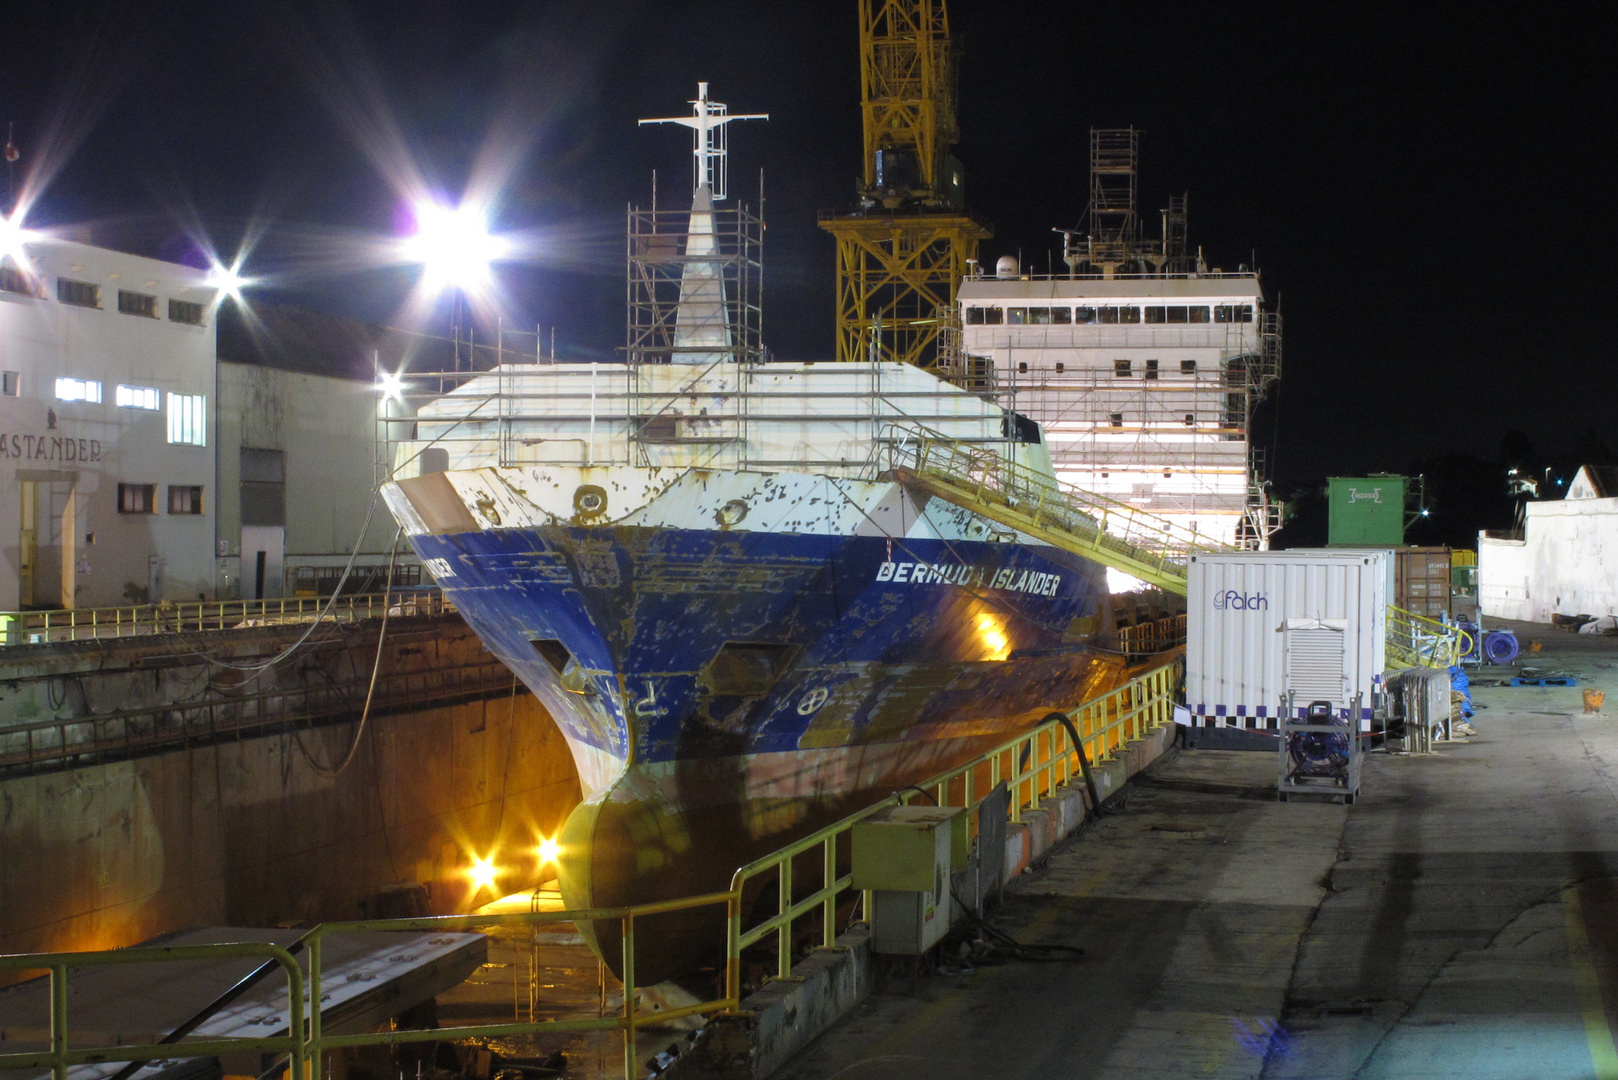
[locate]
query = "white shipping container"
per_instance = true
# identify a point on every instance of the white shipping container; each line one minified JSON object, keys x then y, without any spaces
{"x":1260,"y":623}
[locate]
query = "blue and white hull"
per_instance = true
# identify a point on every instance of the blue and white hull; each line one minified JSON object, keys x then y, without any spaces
{"x":739,"y":657}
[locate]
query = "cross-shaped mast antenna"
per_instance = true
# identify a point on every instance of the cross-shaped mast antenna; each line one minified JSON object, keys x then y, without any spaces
{"x":708,"y":120}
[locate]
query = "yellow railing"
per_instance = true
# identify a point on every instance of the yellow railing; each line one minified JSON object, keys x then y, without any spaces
{"x":1116,"y":534}
{"x":1417,"y":641}
{"x":90,"y":624}
{"x":1032,"y":766}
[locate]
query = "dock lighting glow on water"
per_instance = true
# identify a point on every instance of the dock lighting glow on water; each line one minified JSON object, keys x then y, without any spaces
{"x":483,"y":872}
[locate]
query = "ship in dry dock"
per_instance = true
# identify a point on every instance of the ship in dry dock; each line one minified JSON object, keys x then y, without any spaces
{"x":715,"y":575}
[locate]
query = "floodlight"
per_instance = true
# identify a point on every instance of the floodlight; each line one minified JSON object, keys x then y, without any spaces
{"x":390,"y":384}
{"x":453,"y":246}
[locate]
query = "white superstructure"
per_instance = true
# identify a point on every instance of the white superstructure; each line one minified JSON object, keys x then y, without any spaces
{"x":1144,"y":385}
{"x":1142,"y":362}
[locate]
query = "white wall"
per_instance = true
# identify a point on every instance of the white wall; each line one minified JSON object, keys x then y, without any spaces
{"x":1564,"y":564}
{"x":1503,"y":578}
{"x":87,"y":449}
{"x":327,"y":429}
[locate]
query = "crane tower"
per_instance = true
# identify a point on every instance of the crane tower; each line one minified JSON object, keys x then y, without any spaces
{"x":902,"y":253}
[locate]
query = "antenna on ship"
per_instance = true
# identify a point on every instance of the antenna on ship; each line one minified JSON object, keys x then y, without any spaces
{"x":695,"y":277}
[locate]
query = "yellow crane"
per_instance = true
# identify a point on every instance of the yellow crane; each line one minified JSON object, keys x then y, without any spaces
{"x":902,"y":253}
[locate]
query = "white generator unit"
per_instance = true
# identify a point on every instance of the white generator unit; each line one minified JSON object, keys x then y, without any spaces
{"x":1269,"y":627}
{"x":905,"y":856}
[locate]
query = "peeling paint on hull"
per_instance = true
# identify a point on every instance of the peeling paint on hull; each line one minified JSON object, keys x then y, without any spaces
{"x":726,"y":690}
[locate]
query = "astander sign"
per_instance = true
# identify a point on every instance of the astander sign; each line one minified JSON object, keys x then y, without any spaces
{"x":1231,"y":600}
{"x":49,"y":448}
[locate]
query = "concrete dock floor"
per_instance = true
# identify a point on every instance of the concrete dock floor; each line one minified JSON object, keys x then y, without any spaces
{"x":1459,"y":920}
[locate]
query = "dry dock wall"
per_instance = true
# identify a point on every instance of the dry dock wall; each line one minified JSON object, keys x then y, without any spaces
{"x":248,"y":831}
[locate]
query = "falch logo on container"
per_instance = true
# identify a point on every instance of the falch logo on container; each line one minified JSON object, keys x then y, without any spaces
{"x":1231,"y":600}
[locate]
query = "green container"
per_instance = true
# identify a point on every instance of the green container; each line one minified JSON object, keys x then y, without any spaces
{"x":1366,"y":511}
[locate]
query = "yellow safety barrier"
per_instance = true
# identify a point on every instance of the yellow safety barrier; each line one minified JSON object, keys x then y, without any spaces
{"x":90,"y":624}
{"x":1033,"y":766}
{"x":1417,"y":641}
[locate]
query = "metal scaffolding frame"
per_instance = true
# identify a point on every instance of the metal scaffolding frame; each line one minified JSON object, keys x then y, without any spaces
{"x":657,"y":257}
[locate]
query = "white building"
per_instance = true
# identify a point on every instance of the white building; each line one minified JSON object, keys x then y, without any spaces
{"x":1563,"y":563}
{"x":1144,"y":384}
{"x":106,"y":464}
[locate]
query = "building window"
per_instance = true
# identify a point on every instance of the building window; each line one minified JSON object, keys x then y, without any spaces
{"x":184,"y":311}
{"x":10,"y":383}
{"x":188,"y":419}
{"x":134,"y":303}
{"x":1121,"y":369}
{"x":78,"y":293}
{"x":78,"y":390}
{"x":137,"y":498}
{"x":137,"y":397}
{"x":15,"y":280}
{"x":1188,"y":367}
{"x":185,"y":499}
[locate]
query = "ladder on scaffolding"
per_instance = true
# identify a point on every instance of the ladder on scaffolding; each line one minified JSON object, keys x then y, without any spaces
{"x":1115,"y":534}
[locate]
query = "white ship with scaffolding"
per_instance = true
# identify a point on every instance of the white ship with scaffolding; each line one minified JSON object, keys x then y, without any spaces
{"x":1142,"y":363}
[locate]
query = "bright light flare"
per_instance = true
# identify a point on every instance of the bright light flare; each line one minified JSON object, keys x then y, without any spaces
{"x":391,"y":385}
{"x":548,"y":851}
{"x":483,"y":872}
{"x":14,"y":239}
{"x":453,"y":246}
{"x":229,"y":280}
{"x":992,"y":634}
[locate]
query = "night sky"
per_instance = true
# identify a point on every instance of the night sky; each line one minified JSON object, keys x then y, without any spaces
{"x":1421,"y":184}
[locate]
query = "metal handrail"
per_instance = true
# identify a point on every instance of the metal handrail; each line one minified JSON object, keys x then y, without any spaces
{"x":1417,"y":641}
{"x":92,"y":624}
{"x":1032,"y":765}
{"x":1115,"y":533}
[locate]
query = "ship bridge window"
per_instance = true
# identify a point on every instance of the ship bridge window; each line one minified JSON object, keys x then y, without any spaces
{"x":1039,"y":316}
{"x":1151,"y":369}
{"x":1016,"y":316}
{"x":1197,"y":314}
{"x":1177,"y":314}
{"x":1120,"y":315}
{"x":1061,"y":316}
{"x":985,"y":316}
{"x":1121,"y":369}
{"x":1188,"y":367}
{"x":1233,"y":313}
{"x":1116,"y":420}
{"x":1084,"y":316}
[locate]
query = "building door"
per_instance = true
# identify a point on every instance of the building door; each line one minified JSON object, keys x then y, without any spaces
{"x":47,"y":548}
{"x":262,"y":548}
{"x":28,"y":542}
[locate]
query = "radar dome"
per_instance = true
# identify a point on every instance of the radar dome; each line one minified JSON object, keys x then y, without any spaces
{"x":1006,"y":266}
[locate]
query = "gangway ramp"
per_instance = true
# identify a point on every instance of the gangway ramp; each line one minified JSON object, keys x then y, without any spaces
{"x":1113,"y":533}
